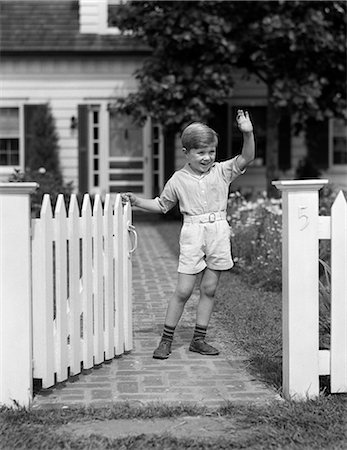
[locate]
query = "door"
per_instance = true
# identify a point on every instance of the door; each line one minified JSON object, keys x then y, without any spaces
{"x":127,"y":162}
{"x":117,"y":154}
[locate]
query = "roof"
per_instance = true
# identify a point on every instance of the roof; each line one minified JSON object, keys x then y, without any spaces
{"x":41,"y":26}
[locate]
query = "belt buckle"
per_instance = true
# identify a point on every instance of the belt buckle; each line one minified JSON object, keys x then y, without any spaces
{"x":212,"y":217}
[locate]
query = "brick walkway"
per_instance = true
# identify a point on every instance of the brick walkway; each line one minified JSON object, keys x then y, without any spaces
{"x":185,"y":376}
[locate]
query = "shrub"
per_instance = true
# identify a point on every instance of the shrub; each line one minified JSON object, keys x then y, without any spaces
{"x":42,"y":159}
{"x":49,"y":183}
{"x":42,"y":143}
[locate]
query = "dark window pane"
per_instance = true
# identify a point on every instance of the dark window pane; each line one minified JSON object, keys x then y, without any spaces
{"x":126,"y":189}
{"x":126,"y":176}
{"x":155,"y":164}
{"x":126,"y":165}
{"x":14,"y":159}
{"x":340,"y":150}
{"x":9,"y":152}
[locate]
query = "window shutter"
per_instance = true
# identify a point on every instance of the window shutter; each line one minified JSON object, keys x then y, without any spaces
{"x":29,"y":114}
{"x":317,"y":141}
{"x":220,"y":123}
{"x":284,"y":142}
{"x":83,"y":166}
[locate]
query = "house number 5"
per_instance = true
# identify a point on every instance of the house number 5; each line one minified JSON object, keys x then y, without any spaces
{"x":303,"y":217}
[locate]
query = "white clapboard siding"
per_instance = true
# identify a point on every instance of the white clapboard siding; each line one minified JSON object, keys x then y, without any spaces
{"x":339,"y":295}
{"x":81,"y":285}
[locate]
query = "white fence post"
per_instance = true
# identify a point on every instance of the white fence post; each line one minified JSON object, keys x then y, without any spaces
{"x":300,"y":291}
{"x":338,"y":327}
{"x":15,"y":294}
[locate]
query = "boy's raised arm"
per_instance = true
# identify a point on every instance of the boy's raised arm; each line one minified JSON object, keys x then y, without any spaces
{"x":248,"y":148}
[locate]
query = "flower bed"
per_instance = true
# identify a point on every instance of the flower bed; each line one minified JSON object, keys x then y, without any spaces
{"x":256,"y":228}
{"x":256,"y":239}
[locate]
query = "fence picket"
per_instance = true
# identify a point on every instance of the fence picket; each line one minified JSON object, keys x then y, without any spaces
{"x":339,"y":295}
{"x":42,"y":289}
{"x":60,"y":235}
{"x":74,"y":302}
{"x":108,"y":253}
{"x":128,"y":332}
{"x":98,"y":294}
{"x":81,"y":286}
{"x":87,"y":284}
{"x":119,"y":276}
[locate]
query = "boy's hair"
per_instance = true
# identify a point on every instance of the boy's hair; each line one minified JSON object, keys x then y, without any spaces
{"x":197,"y":135}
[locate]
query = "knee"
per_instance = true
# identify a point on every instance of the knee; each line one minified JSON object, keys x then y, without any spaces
{"x":182,"y":294}
{"x":208,"y":289}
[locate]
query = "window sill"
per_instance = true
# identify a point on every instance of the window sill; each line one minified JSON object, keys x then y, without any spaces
{"x":8,"y":170}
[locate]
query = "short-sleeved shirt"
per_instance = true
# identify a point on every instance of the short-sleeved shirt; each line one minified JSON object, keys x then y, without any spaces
{"x":200,"y":194}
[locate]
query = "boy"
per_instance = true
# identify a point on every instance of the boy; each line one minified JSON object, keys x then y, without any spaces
{"x":201,"y":189}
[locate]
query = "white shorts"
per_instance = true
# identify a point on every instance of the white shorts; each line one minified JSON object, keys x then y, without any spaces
{"x":205,"y":245}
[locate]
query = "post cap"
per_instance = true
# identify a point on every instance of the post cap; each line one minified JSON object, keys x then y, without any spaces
{"x":300,"y":185}
{"x":19,"y":188}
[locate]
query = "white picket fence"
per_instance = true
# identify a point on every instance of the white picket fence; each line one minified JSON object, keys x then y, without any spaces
{"x":65,"y":297}
{"x":303,"y":362}
{"x":81,"y":272}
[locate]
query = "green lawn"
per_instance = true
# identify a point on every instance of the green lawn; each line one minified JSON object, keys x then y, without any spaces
{"x":316,"y":424}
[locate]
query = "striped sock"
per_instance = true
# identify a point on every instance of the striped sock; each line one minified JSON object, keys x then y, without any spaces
{"x":168,"y":333}
{"x":199,"y":332}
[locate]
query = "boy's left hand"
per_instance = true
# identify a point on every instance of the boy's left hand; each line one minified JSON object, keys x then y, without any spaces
{"x":243,"y":121}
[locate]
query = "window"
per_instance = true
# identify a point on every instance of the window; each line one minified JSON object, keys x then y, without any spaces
{"x":9,"y":137}
{"x":125,"y":136}
{"x":112,"y":10}
{"x":95,"y":146}
{"x":338,"y":141}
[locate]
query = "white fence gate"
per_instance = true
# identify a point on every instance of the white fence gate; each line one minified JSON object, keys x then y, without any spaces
{"x":74,"y":308}
{"x":303,"y":362}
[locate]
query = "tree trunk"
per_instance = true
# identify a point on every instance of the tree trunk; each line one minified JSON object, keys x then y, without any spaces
{"x":272,"y":141}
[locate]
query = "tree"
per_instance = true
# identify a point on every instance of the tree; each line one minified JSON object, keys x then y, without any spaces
{"x":296,"y":48}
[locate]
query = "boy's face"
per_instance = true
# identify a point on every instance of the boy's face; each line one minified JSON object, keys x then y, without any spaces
{"x":201,"y":159}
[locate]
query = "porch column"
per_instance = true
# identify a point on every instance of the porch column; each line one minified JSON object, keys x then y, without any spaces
{"x":15,"y":294}
{"x":300,"y":291}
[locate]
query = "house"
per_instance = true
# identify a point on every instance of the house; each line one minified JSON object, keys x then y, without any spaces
{"x":63,"y":53}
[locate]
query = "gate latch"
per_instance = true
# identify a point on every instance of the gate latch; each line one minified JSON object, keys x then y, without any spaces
{"x":132,"y":230}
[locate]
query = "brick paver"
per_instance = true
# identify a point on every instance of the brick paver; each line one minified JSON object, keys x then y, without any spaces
{"x":185,"y":376}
